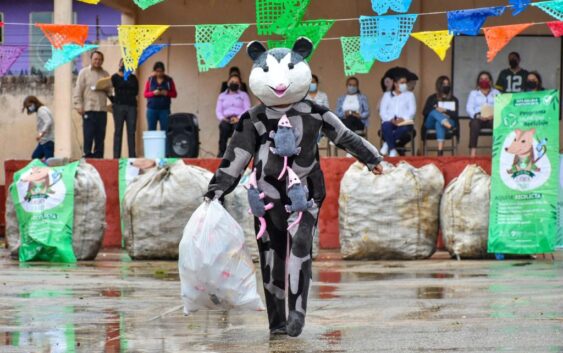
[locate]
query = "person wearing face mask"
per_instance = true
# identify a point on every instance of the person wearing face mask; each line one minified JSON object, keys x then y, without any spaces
{"x":353,"y":107}
{"x":441,"y":111}
{"x":45,"y":128}
{"x":315,"y":95}
{"x":533,"y":82}
{"x":512,"y":79}
{"x":397,"y":111}
{"x":480,"y":108}
{"x":124,"y":109}
{"x":231,"y":104}
{"x":233,"y":71}
{"x":159,"y":91}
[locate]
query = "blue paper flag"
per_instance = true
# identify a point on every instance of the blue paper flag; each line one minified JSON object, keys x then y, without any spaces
{"x":519,"y":5}
{"x":382,"y":38}
{"x":469,"y":22}
{"x":66,"y":54}
{"x":234,"y":51}
{"x":382,"y":6}
{"x":147,"y":53}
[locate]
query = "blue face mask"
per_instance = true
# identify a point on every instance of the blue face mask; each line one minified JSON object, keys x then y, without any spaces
{"x":352,"y":89}
{"x":313,"y":87}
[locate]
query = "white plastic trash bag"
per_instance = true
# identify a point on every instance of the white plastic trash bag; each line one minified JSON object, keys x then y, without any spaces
{"x":215,"y":268}
{"x":464,"y":213}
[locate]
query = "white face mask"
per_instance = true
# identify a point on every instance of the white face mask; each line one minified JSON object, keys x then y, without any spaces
{"x":403,"y":87}
{"x":31,"y":109}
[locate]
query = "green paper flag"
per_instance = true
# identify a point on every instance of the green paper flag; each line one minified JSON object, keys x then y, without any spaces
{"x":44,"y":202}
{"x":315,"y":30}
{"x":279,"y":16}
{"x":525,"y":173}
{"x":354,"y":62}
{"x":214,"y":42}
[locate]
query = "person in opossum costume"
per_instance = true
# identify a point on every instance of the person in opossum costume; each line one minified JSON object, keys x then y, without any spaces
{"x":294,"y":184}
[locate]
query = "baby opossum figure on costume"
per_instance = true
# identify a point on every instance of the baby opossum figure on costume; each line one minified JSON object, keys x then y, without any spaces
{"x":280,"y":137}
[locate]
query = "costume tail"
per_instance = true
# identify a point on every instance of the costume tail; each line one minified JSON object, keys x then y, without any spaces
{"x":284,"y":168}
{"x":262,"y":227}
{"x":297,"y":221}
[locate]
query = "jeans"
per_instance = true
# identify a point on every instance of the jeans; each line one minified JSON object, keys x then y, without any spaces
{"x":44,"y":151}
{"x":158,"y":115}
{"x":94,"y":129}
{"x":124,"y":114}
{"x":475,"y":126}
{"x":393,"y":133}
{"x":434,"y":122}
{"x":226,"y":130}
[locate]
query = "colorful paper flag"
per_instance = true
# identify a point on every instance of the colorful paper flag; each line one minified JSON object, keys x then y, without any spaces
{"x":354,"y":63}
{"x":145,"y":4}
{"x":134,"y":39}
{"x":216,"y":42}
{"x":438,"y":41}
{"x":382,"y":38}
{"x":552,"y":8}
{"x":60,"y":35}
{"x":92,"y":2}
{"x":499,"y":36}
{"x":66,"y":54}
{"x":469,"y":22}
{"x":147,"y":53}
{"x":279,"y":16}
{"x":518,"y":6}
{"x":314,"y":30}
{"x":556,"y":28}
{"x":382,"y":6}
{"x":8,"y":56}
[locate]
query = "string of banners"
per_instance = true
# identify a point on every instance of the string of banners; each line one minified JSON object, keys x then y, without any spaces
{"x":381,"y":38}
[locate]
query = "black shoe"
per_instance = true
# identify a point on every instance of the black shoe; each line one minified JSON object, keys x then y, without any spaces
{"x":295,"y":323}
{"x":280,"y":330}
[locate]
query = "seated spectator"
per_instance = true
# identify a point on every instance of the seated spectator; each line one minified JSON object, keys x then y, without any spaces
{"x":512,"y":79}
{"x":412,"y":80}
{"x":480,"y":108}
{"x":319,"y":97}
{"x":441,"y":111}
{"x":233,"y":71}
{"x":159,"y":91}
{"x":397,"y":112}
{"x":533,"y":82}
{"x":45,"y":128}
{"x":353,"y":107}
{"x":231,"y":104}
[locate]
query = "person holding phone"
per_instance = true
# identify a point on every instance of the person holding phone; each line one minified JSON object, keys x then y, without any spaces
{"x":352,"y":108}
{"x":159,"y":91}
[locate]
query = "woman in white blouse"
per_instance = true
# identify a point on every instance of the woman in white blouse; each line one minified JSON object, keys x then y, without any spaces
{"x":397,"y":111}
{"x":315,"y":95}
{"x":353,"y":107}
{"x":480,"y":108}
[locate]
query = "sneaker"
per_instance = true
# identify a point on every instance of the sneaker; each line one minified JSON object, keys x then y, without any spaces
{"x":384,"y":149}
{"x":393,"y":153}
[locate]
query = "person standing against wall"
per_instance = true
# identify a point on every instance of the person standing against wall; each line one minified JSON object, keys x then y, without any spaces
{"x":159,"y":91}
{"x":512,"y":79}
{"x":124,"y":109}
{"x":91,"y":104}
{"x":45,"y":128}
{"x":231,"y":104}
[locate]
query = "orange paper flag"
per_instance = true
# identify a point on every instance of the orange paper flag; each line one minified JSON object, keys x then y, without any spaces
{"x":60,"y":35}
{"x":499,"y":36}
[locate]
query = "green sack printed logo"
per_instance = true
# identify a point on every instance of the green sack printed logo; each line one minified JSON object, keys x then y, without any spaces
{"x":44,"y":202}
{"x":524,"y":180}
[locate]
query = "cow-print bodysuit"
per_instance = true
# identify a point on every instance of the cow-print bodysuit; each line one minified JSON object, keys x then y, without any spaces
{"x":286,"y":260}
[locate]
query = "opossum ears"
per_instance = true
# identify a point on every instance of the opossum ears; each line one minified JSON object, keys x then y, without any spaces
{"x":255,"y":49}
{"x":303,"y":46}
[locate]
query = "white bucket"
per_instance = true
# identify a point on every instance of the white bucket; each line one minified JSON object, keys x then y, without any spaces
{"x":155,"y":144}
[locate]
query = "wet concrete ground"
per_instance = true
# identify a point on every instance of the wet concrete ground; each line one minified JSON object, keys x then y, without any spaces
{"x":440,"y":305}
